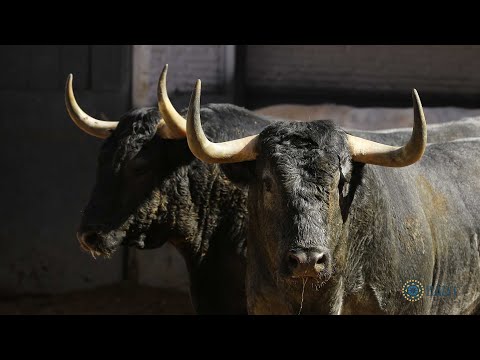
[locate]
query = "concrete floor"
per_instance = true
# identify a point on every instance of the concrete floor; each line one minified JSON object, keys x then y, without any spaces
{"x":119,"y":299}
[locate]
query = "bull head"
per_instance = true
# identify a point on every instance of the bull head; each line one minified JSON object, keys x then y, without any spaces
{"x":170,"y":126}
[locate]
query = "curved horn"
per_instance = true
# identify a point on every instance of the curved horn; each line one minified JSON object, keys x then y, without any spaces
{"x":173,"y":125}
{"x":239,"y":150}
{"x":370,"y":152}
{"x":99,"y":128}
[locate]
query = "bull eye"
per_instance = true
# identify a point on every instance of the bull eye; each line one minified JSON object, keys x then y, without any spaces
{"x":267,"y":183}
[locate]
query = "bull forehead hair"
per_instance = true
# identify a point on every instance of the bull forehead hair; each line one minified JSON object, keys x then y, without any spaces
{"x":303,"y":153}
{"x":134,"y":130}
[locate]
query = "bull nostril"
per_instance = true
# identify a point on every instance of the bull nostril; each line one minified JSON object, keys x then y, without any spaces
{"x":90,"y":237}
{"x":321,"y":262}
{"x":293,"y":261}
{"x":87,"y":240}
{"x":321,"y":259}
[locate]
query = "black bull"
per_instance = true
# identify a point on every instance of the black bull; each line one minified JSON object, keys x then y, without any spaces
{"x":151,"y":190}
{"x":417,"y":223}
{"x":342,"y":225}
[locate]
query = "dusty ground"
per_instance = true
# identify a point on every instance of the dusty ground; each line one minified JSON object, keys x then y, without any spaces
{"x":114,"y":299}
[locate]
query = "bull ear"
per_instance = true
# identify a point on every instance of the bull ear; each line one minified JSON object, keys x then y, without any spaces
{"x":345,"y":175}
{"x":348,"y":187}
{"x":241,"y":173}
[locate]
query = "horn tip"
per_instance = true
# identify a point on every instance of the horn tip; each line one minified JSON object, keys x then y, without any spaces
{"x":416,"y":97}
{"x":162,"y":81}
{"x":198,"y":88}
{"x":68,"y":84}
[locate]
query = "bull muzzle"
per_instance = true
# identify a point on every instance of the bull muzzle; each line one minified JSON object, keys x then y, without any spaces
{"x":100,"y":243}
{"x":312,"y":262}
